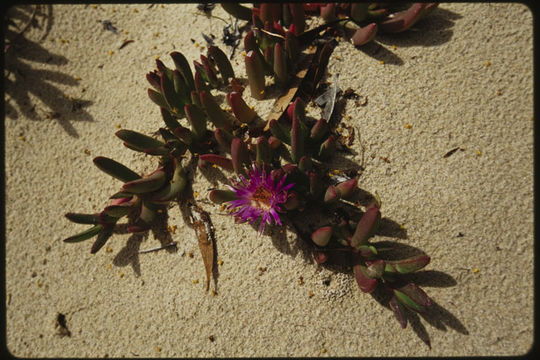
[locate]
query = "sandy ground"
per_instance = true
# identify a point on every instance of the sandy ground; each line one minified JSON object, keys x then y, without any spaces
{"x":463,"y":80}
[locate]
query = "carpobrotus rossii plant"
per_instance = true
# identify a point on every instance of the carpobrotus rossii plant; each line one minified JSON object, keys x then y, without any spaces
{"x":281,"y":164}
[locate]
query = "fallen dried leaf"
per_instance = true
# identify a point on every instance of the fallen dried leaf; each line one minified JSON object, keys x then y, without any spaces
{"x":204,"y":230}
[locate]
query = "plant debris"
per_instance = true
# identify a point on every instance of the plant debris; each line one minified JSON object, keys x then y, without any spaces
{"x":61,"y":325}
{"x":206,"y":8}
{"x":204,"y":230}
{"x":107,"y":25}
{"x":451,"y":152}
{"x":124,"y":43}
{"x":328,"y":98}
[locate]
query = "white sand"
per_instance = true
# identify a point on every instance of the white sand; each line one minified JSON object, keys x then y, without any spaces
{"x":147,"y":305}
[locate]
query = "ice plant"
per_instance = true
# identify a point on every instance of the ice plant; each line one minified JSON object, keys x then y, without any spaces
{"x":282,"y":164}
{"x":259,"y":196}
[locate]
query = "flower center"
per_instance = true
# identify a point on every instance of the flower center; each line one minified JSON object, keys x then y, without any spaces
{"x":261,"y":198}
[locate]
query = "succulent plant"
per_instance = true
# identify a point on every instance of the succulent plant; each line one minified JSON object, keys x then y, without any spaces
{"x":278,"y":167}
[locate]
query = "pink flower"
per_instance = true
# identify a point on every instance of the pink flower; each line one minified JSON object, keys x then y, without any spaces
{"x":258,"y":197}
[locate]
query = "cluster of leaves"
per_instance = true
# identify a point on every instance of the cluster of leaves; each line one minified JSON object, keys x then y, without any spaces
{"x":290,"y":147}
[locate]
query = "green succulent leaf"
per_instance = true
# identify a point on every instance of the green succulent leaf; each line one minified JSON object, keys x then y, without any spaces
{"x":157,"y":98}
{"x":174,"y":187}
{"x":138,"y":141}
{"x":85,"y":235}
{"x":102,"y":238}
{"x":182,"y":65}
{"x":115,"y":169}
{"x":413,"y":297}
{"x":409,"y":265}
{"x":83,"y":218}
{"x":398,"y":310}
{"x":147,"y":184}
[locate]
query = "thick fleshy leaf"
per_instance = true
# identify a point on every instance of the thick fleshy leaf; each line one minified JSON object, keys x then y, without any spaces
{"x":280,"y":64}
{"x":196,"y":98}
{"x":210,"y":72}
{"x":224,"y":139}
{"x":365,"y":283}
{"x":327,"y":148}
{"x":170,"y":121}
{"x":180,"y":87}
{"x":250,"y":42}
{"x":279,"y":131}
{"x":359,"y":11}
{"x":409,"y":265}
{"x":239,"y":155}
{"x":157,"y":98}
{"x":175,"y":186}
{"x":182,"y":65}
{"x":238,"y":11}
{"x":102,"y":238}
{"x":162,"y":69}
{"x":169,"y":93}
{"x":305,"y":163}
{"x":255,"y":74}
{"x":413,"y":297}
{"x":364,"y":35}
{"x":222,"y":62}
{"x":328,"y":12}
{"x":428,"y":9}
{"x":152,"y":182}
{"x":367,"y":251}
{"x":137,"y":140}
{"x":263,"y":151}
{"x":377,"y":13}
{"x":320,"y":257}
{"x":331,"y":195}
{"x":118,"y":211}
{"x":403,"y":20}
{"x":121,"y":195}
{"x":240,"y":109}
{"x":83,"y":218}
{"x":221,"y":196}
{"x":297,"y":138}
{"x":374,"y":269}
{"x":274,"y":142}
{"x":200,"y":82}
{"x":366,"y":226}
{"x":85,"y":235}
{"x":293,"y":201}
{"x":269,"y":12}
{"x":298,"y":17}
{"x":145,"y":219}
{"x":154,"y":80}
{"x":319,"y":130}
{"x":184,"y":134}
{"x":218,"y":160}
{"x":322,"y":236}
{"x":216,"y":115}
{"x":197,"y":120}
{"x":115,"y":169}
{"x":168,"y":136}
{"x":398,"y":310}
{"x":347,"y":188}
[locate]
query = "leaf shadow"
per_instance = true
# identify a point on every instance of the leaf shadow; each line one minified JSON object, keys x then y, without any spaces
{"x":129,"y":254}
{"x":28,"y":89}
{"x":339,"y":261}
{"x":434,"y":30}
